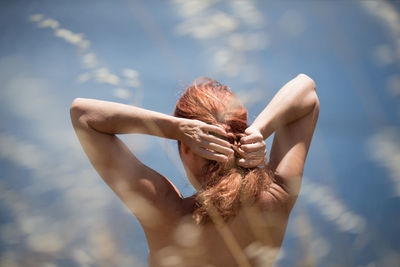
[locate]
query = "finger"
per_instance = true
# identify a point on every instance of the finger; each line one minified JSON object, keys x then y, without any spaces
{"x":250,"y":130}
{"x":254,"y":155}
{"x":216,"y":140}
{"x":212,"y":155}
{"x":248,"y":163}
{"x":253,"y":147}
{"x":214,"y":129}
{"x":240,"y":152}
{"x":217,"y":148}
{"x":253,"y":138}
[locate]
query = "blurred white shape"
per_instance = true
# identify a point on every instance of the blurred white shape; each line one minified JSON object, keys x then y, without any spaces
{"x":218,"y":29}
{"x":237,"y":41}
{"x":189,"y":8}
{"x":36,"y":17}
{"x":248,"y":12}
{"x":208,"y":26}
{"x":82,"y":257}
{"x":169,"y":256}
{"x":226,"y":61}
{"x":171,"y":261}
{"x":90,"y":60}
{"x":130,"y":73}
{"x":260,"y":254}
{"x":222,"y":57}
{"x":32,"y":224}
{"x":134,"y":83}
{"x":130,"y":260}
{"x":250,"y":41}
{"x":24,"y":153}
{"x":257,"y":41}
{"x":132,"y":78}
{"x":249,"y":97}
{"x":138,"y":142}
{"x":293,"y":23}
{"x":102,"y":242}
{"x":187,"y":234}
{"x":73,"y":38}
{"x":223,"y":21}
{"x":393,"y":85}
{"x":346,"y":221}
{"x":122,"y":93}
{"x":384,"y":148}
{"x":88,"y":193}
{"x":250,"y":73}
{"x":384,"y":54}
{"x":84,"y":77}
{"x":140,"y":206}
{"x":49,"y":23}
{"x":320,"y":247}
{"x":103,"y":75}
{"x":332,"y":208}
{"x":385,"y":11}
{"x":49,"y":242}
{"x":332,"y":211}
{"x":389,"y":15}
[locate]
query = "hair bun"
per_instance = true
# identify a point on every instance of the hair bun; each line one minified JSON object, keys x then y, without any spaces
{"x":234,"y":139}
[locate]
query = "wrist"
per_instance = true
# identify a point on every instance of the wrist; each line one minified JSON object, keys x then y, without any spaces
{"x":253,"y":129}
{"x":178,"y":124}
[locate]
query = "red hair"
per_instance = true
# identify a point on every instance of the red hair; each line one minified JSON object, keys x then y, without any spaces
{"x":224,"y":188}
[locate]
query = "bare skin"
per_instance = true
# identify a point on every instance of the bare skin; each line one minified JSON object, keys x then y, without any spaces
{"x":254,"y":236}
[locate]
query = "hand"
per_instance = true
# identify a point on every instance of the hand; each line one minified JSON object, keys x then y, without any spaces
{"x":198,"y":136}
{"x":253,"y":149}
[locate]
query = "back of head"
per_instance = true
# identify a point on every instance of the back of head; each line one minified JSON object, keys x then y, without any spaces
{"x":211,"y":102}
{"x":226,"y":187}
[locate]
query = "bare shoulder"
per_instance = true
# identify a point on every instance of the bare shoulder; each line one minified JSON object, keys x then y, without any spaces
{"x":276,"y":198}
{"x":150,"y":196}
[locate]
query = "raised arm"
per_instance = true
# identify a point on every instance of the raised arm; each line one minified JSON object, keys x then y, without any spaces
{"x":292,"y":114}
{"x":96,"y":122}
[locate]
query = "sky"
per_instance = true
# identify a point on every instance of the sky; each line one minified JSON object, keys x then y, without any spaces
{"x":56,"y":211}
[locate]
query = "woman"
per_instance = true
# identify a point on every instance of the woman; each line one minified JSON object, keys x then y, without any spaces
{"x":239,"y":214}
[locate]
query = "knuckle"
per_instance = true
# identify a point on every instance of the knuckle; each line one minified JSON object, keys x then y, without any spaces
{"x":263,"y":144}
{"x":246,"y":149}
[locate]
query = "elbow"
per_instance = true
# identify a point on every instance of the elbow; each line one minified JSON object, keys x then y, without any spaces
{"x":316,"y":104}
{"x":307,"y":81}
{"x":309,"y":86}
{"x":77,"y":109}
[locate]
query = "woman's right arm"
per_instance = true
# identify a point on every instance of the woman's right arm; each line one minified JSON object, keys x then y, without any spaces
{"x":292,"y":114}
{"x":141,"y":188}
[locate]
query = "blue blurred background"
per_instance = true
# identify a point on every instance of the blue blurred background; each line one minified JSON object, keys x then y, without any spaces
{"x":56,"y":211}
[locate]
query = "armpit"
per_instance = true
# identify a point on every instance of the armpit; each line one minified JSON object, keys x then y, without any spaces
{"x":276,"y":198}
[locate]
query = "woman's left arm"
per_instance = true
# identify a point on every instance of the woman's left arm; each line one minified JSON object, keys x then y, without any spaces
{"x":96,"y":124}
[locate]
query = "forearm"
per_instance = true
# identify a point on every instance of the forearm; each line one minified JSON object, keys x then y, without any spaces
{"x":115,"y":118}
{"x":293,"y":101}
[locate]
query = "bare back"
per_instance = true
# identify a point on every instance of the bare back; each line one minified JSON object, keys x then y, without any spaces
{"x":256,"y":232}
